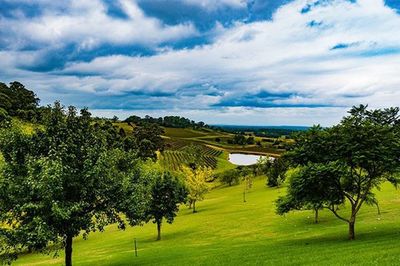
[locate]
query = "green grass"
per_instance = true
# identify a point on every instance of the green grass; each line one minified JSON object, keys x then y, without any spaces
{"x":183,"y":133}
{"x":227,"y":231}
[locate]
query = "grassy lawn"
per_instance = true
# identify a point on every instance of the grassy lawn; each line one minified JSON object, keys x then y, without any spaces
{"x":227,"y":231}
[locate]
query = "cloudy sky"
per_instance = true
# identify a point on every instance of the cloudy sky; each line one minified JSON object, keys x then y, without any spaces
{"x":253,"y":62}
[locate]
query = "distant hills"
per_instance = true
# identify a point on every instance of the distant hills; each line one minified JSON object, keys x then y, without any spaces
{"x":294,"y":128}
{"x":262,"y":131}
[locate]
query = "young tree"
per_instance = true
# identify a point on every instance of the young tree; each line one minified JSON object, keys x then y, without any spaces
{"x":60,"y":181}
{"x":248,"y":184}
{"x":357,"y":155}
{"x":151,"y":194}
{"x":196,"y":181}
{"x":167,"y":192}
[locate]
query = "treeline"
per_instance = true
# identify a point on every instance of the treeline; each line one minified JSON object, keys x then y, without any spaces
{"x":167,"y":121}
{"x":16,"y":100}
{"x":271,"y":132}
{"x":241,"y":139}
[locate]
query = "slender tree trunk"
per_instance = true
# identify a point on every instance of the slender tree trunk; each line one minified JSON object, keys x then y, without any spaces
{"x":159,"y":230}
{"x":379,"y":209}
{"x":194,"y":206}
{"x":68,"y":251}
{"x":352,"y":234}
{"x":316,"y":215}
{"x":352,"y":222}
{"x":190,"y":204}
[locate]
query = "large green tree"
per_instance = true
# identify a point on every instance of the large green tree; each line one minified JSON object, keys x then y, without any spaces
{"x":345,"y":163}
{"x":16,"y":99}
{"x":60,"y":181}
{"x":148,"y":140}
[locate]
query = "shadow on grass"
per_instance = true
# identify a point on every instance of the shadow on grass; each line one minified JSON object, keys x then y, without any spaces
{"x":362,"y":237}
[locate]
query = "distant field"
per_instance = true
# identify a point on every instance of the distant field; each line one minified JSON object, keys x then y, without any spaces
{"x":227,"y":231}
{"x":184,"y":133}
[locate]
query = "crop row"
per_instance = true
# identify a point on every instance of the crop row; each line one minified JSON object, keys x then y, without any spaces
{"x":174,"y":160}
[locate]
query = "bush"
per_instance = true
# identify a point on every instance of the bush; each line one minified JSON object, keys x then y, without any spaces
{"x":230,"y":177}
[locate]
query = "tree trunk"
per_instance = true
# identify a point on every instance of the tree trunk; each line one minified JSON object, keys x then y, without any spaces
{"x":352,"y":234}
{"x":158,"y":230}
{"x":194,"y":206}
{"x":68,"y":251}
{"x":379,"y":209}
{"x":316,"y":215}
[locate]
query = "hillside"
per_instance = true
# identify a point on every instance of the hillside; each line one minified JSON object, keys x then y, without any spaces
{"x":214,"y":147}
{"x":227,"y":231}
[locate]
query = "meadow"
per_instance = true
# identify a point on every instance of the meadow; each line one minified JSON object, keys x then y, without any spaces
{"x":228,"y":231}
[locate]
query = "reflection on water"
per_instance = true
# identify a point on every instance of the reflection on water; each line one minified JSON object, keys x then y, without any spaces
{"x":243,"y":159}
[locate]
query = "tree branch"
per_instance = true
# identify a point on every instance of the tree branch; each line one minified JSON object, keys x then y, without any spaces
{"x":332,"y":209}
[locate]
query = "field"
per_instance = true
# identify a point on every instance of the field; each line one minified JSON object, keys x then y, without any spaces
{"x":227,"y":231}
{"x":214,"y":153}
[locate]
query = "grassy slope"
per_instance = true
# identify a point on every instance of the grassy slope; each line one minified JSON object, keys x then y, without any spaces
{"x":227,"y":231}
{"x":207,"y":137}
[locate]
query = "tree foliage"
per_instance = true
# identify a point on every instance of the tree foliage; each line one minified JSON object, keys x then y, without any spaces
{"x":196,"y":182}
{"x":60,"y":181}
{"x":345,"y":162}
{"x":16,"y":100}
{"x":274,"y":168}
{"x":147,"y":139}
{"x":166,"y":192}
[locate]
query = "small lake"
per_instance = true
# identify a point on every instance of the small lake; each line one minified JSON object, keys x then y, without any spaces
{"x":243,"y":159}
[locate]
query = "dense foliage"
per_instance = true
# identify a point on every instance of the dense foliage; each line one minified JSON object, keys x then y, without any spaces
{"x":16,"y":100}
{"x":60,"y":181}
{"x":167,"y":192}
{"x":274,"y":168}
{"x":167,"y":121}
{"x":196,"y":182}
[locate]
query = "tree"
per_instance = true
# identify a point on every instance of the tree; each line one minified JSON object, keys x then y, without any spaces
{"x":148,"y":140}
{"x":16,"y":99}
{"x":248,"y":184}
{"x":194,"y":154}
{"x":196,"y":181}
{"x":347,"y":161}
{"x":250,"y":140}
{"x":60,"y":181}
{"x":230,"y":177}
{"x":115,"y":119}
{"x":167,"y":192}
{"x":312,"y":187}
{"x":274,"y":168}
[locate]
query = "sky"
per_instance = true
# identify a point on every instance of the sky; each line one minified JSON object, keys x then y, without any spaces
{"x":249,"y":62}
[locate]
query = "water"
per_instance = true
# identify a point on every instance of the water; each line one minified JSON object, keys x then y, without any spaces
{"x":243,"y":159}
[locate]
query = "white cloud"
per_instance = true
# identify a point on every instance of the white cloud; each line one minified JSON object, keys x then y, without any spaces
{"x":282,"y":56}
{"x":215,"y":4}
{"x":87,"y":24}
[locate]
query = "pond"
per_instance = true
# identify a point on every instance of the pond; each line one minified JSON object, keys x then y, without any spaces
{"x":243,"y":159}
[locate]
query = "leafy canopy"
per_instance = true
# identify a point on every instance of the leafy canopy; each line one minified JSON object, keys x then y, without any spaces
{"x":346,"y":161}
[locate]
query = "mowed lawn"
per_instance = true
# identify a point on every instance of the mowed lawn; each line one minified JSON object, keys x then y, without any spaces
{"x":227,"y":231}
